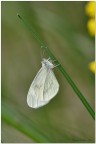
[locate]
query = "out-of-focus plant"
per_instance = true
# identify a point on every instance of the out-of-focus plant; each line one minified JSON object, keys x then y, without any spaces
{"x":92,"y":66}
{"x":90,"y":11}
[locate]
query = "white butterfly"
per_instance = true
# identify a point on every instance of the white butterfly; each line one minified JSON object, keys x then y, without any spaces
{"x":44,"y":86}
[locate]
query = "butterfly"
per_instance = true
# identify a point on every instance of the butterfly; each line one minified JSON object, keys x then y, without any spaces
{"x":44,"y":86}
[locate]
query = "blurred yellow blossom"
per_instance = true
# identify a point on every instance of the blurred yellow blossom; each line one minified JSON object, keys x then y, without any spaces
{"x":92,"y":66}
{"x":90,"y":9}
{"x":91,"y":26}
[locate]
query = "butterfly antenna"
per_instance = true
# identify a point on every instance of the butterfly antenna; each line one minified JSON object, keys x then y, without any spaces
{"x":42,"y":52}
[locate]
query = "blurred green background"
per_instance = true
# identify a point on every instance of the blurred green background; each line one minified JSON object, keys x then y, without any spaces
{"x":62,"y":25}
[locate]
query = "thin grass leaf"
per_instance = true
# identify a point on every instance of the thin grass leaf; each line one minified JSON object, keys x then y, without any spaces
{"x":15,"y":119}
{"x":65,"y":74}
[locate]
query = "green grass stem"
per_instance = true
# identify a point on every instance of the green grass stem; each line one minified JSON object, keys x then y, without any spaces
{"x":65,"y":74}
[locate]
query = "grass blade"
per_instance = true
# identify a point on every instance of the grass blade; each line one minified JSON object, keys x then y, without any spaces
{"x":15,"y":119}
{"x":65,"y":74}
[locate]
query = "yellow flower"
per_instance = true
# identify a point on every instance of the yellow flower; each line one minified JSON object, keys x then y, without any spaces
{"x":92,"y":66}
{"x":90,"y":9}
{"x":91,"y":26}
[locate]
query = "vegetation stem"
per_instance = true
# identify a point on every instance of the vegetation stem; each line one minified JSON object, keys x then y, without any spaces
{"x":65,"y":74}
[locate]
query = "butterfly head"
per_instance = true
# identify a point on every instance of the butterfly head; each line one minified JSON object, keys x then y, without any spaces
{"x":46,"y":63}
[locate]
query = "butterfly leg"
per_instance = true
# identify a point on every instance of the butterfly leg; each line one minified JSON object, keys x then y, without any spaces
{"x":49,"y":59}
{"x":56,"y":65}
{"x":52,"y":60}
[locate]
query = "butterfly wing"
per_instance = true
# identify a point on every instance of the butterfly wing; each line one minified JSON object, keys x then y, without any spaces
{"x":51,"y":86}
{"x":35,"y":94}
